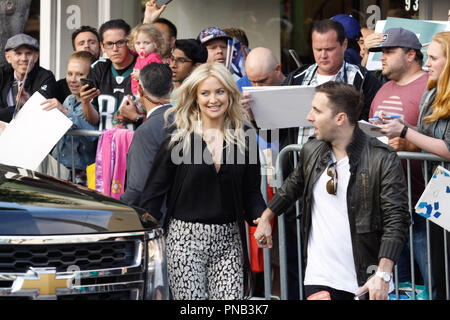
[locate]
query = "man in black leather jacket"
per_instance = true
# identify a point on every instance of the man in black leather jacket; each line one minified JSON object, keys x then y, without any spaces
{"x":354,"y":201}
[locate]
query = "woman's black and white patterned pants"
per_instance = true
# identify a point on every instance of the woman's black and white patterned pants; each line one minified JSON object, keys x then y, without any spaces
{"x":204,"y":261}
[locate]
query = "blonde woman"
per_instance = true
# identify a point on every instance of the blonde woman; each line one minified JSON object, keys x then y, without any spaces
{"x":209,"y":169}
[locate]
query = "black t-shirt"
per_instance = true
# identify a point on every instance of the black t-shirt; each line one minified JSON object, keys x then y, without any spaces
{"x":212,"y":199}
{"x":114,"y":86}
{"x":62,"y":90}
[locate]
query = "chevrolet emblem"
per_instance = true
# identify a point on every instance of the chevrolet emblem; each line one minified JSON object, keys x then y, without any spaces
{"x":45,"y":281}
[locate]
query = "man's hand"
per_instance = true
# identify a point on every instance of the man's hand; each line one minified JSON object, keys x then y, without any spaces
{"x":377,"y":287}
{"x":89,"y":112}
{"x":128,"y":109}
{"x":263,"y":233}
{"x":392,"y":128}
{"x":399,"y":144}
{"x":152,"y":12}
{"x":54,"y":104}
{"x":87,"y":95}
{"x":22,"y":97}
{"x":246,"y":99}
{"x":372,"y":40}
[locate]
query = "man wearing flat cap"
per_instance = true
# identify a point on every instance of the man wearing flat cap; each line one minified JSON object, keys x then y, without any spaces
{"x":22,"y":54}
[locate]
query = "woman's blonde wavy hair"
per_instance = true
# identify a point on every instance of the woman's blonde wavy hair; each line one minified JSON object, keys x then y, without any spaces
{"x":187,"y":111}
{"x":441,"y":104}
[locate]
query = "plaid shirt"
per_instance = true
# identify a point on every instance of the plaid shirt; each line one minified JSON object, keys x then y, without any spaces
{"x":346,"y":74}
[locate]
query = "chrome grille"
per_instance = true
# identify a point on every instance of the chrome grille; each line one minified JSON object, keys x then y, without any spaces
{"x":87,"y":256}
{"x":97,"y":266}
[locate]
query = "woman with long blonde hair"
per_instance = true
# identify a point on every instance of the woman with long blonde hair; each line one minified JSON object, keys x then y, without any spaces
{"x":209,"y":170}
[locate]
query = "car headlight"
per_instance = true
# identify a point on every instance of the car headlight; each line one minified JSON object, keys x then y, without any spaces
{"x":157,"y":285}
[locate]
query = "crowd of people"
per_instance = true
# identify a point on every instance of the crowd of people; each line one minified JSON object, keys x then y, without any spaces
{"x":181,"y":98}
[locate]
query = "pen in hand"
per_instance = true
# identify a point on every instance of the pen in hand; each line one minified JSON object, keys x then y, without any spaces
{"x":385,"y":117}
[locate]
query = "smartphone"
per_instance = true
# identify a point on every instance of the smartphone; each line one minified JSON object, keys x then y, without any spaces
{"x":160,"y":3}
{"x":90,"y":82}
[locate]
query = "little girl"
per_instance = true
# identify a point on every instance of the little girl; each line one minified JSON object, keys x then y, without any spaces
{"x":148,"y":42}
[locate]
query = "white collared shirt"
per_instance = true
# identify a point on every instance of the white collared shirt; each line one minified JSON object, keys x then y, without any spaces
{"x":154,"y":109}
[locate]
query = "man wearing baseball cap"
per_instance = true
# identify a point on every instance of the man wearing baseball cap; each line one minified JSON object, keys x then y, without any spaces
{"x":215,"y":41}
{"x":401,"y":96}
{"x":352,"y":34}
{"x":22,"y":53}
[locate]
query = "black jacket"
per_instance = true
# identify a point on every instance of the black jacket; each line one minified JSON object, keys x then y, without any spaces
{"x":38,"y":79}
{"x":377,"y":198}
{"x":145,"y":144}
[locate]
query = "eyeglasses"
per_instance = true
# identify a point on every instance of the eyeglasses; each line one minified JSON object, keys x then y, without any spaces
{"x":119,"y":44}
{"x":332,"y":183}
{"x":178,"y":60}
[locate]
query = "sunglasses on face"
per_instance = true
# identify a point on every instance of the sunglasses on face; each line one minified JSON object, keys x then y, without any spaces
{"x":332,"y":183}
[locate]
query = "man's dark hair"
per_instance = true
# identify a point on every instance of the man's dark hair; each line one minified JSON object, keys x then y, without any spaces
{"x":419,"y":55}
{"x":193,"y":49}
{"x":81,"y":30}
{"x":170,"y":25}
{"x":344,"y":98}
{"x":323,"y":26}
{"x":156,"y":79}
{"x":114,"y":24}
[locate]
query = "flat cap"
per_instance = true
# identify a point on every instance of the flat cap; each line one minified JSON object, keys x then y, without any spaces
{"x":21,"y":39}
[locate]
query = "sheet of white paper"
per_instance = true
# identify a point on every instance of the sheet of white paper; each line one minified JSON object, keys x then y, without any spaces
{"x":32,"y":134}
{"x":434,"y":204}
{"x":278,"y":107}
{"x":370,"y":129}
{"x":371,"y":64}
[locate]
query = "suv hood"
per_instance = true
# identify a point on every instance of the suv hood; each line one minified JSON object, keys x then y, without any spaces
{"x":35,"y":204}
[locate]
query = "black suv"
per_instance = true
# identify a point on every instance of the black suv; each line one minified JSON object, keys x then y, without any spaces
{"x":65,"y":242}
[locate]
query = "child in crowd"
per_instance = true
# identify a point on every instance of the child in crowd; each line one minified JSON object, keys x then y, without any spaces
{"x":84,"y":147}
{"x":148,"y":42}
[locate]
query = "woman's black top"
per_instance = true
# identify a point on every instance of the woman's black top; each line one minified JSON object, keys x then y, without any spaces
{"x":197,"y":192}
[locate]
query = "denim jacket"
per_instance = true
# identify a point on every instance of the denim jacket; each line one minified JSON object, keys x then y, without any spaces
{"x":84,"y":147}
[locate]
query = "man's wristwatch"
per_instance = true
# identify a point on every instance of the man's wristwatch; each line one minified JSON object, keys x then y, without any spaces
{"x":386,"y":276}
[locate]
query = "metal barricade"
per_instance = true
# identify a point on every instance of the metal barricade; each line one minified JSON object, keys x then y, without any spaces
{"x":71,"y":134}
{"x":408,"y":156}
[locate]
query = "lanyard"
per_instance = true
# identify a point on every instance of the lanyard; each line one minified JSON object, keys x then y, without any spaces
{"x":317,"y":67}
